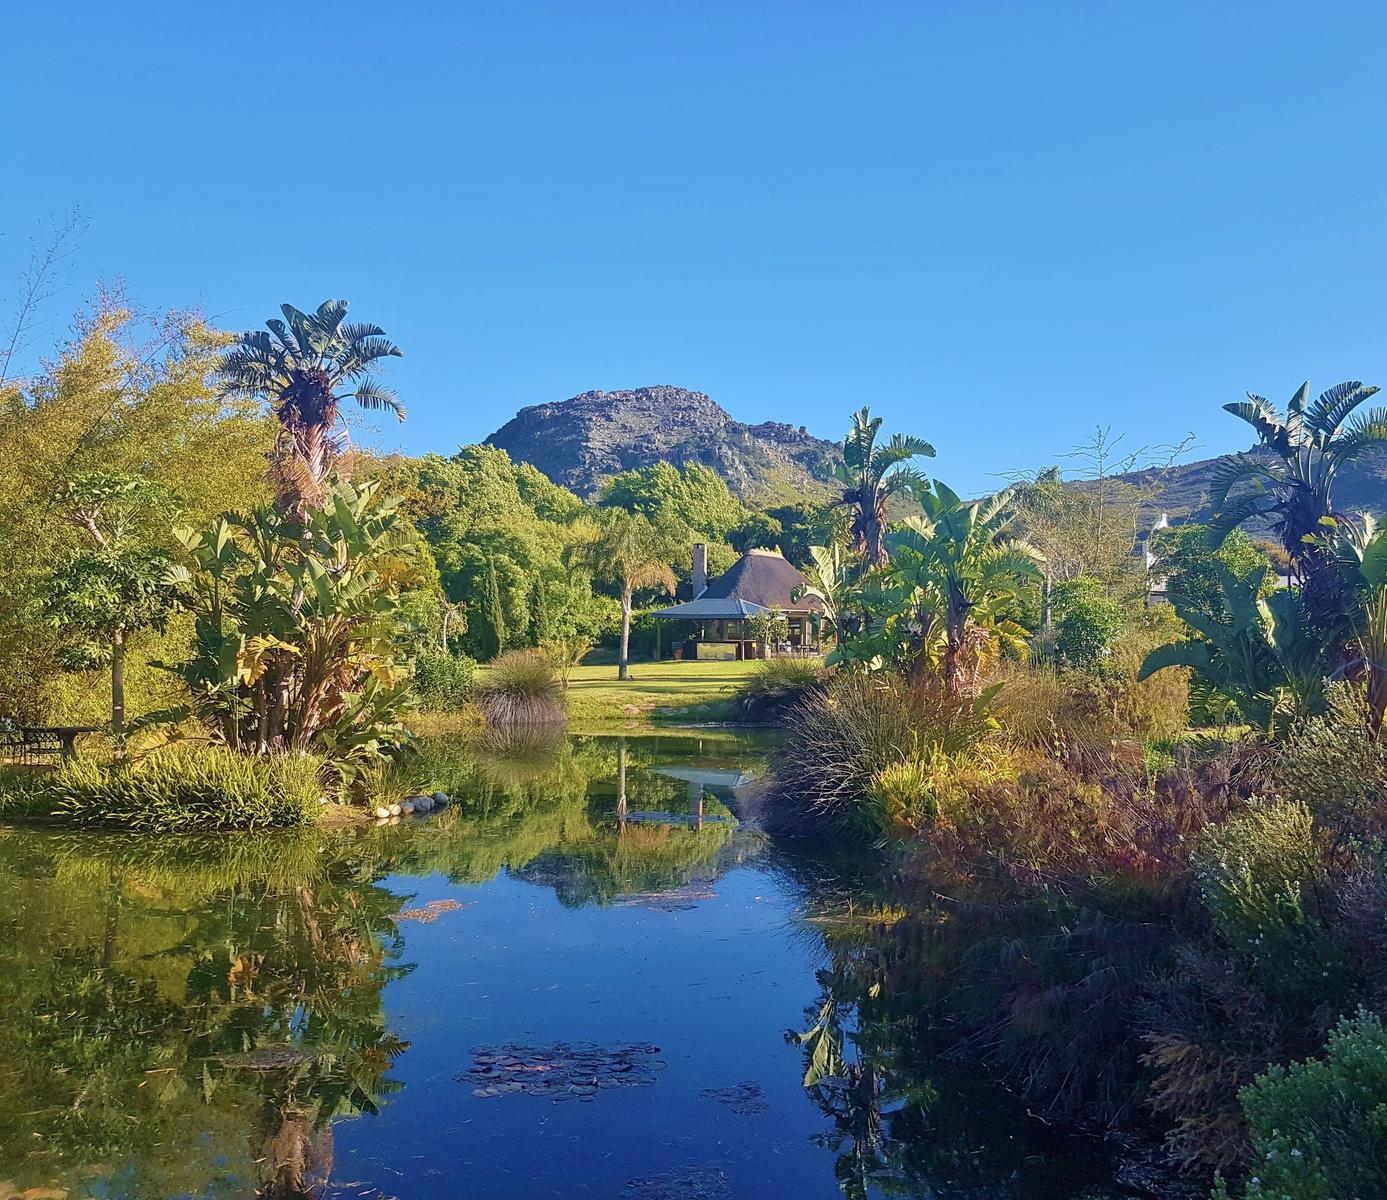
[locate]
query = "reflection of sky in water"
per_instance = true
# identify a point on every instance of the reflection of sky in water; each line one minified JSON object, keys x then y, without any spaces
{"x":587,"y":917}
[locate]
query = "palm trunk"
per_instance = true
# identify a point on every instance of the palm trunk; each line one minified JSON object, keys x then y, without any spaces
{"x":621,"y":670}
{"x":118,"y":685}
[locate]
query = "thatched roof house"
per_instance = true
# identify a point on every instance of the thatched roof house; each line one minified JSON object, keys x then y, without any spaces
{"x":757,"y":582}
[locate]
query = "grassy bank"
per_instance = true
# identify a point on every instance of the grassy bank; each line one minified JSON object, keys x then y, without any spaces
{"x":656,"y":691}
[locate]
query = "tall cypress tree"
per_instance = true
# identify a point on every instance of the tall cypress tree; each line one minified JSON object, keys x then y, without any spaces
{"x":493,"y":614}
{"x":541,"y":624}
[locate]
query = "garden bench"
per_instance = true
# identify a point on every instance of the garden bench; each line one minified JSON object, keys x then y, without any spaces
{"x":35,"y":743}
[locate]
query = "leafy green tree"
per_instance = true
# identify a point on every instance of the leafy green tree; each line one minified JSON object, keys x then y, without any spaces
{"x":1291,"y":483}
{"x":802,"y":525}
{"x":492,"y":612}
{"x":1188,"y":559}
{"x":631,"y":553}
{"x":116,"y":588}
{"x":693,"y":495}
{"x":304,"y":367}
{"x":478,"y":508}
{"x":869,"y":476}
{"x":126,"y":396}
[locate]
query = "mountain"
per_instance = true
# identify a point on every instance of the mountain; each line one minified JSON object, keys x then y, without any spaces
{"x":1182,"y":491}
{"x":584,"y":441}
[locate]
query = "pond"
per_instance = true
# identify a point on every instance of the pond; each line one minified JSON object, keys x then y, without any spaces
{"x":577,"y":980}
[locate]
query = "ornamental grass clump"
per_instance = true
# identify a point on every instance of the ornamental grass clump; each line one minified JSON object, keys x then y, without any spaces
{"x":181,"y":790}
{"x":521,"y":688}
{"x":776,"y":685}
{"x":860,"y":734}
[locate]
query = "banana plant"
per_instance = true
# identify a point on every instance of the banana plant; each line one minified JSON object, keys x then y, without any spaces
{"x":961,"y":571}
{"x":1291,"y":482}
{"x":296,"y":627}
{"x":1262,"y":655}
{"x":869,"y":476}
{"x":1360,"y":547}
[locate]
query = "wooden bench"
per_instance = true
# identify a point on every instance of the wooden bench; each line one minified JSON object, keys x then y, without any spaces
{"x":39,"y":743}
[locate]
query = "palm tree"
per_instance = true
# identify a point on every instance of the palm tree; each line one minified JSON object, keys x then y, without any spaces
{"x":828,"y":581}
{"x":304,"y":367}
{"x":1292,"y":482}
{"x":870,"y":475}
{"x":630,"y":551}
{"x":964,"y":570}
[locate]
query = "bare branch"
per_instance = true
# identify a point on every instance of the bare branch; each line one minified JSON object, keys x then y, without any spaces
{"x":39,"y":283}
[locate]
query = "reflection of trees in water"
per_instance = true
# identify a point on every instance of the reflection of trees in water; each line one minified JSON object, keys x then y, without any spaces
{"x":228,"y":1010}
{"x":568,"y":816}
{"x":189,"y":1016}
{"x":884,"y":1049}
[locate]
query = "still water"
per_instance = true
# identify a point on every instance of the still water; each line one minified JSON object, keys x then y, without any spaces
{"x":577,"y":981}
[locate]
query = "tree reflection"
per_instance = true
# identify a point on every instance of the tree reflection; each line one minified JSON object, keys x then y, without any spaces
{"x":189,"y":1000}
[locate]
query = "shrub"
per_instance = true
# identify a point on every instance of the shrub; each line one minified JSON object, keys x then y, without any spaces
{"x":1088,"y":622}
{"x":1262,"y":876}
{"x":1335,"y":765}
{"x":1319,"y":1127}
{"x":521,"y":688}
{"x":443,"y":681}
{"x":181,"y":789}
{"x":933,"y":786}
{"x":777,"y":684}
{"x":841,"y":738}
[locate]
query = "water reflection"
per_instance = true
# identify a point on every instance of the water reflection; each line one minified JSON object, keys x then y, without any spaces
{"x":198,"y":1017}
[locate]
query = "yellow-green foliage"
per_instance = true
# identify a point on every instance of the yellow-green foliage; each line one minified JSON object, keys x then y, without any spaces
{"x":180,"y":789}
{"x":109,"y":403}
{"x":934,"y":786}
{"x":1335,"y":764}
{"x":1262,"y":876}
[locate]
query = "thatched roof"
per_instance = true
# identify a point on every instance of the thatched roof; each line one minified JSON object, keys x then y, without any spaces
{"x":762,"y":577}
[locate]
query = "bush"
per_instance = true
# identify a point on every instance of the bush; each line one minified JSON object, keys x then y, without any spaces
{"x":181,"y":789}
{"x":1262,"y":876}
{"x":1335,"y":765}
{"x":443,"y":682}
{"x":1319,"y":1128}
{"x":934,"y":786}
{"x":521,"y":688}
{"x":841,"y":738}
{"x":776,"y":684}
{"x":1088,"y":622}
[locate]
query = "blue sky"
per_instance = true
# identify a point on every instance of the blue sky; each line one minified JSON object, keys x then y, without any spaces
{"x":999,"y":224}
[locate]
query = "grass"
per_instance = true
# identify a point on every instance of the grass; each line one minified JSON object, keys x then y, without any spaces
{"x":671,"y":692}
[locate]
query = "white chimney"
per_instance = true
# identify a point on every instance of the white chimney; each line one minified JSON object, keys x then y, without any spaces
{"x":700,"y":569}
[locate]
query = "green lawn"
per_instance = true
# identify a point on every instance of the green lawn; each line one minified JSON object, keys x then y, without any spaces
{"x":656,"y":690}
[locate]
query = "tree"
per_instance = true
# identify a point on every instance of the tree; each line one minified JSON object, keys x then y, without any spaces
{"x":961,"y":570}
{"x":492,"y":612}
{"x":304,"y":368}
{"x":693,"y":495}
{"x":768,"y":627}
{"x":870,"y":475}
{"x":1186,"y":557}
{"x":1291,"y":483}
{"x":630,"y":552}
{"x":297,"y":628}
{"x":116,"y":588}
{"x":129,"y":396}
